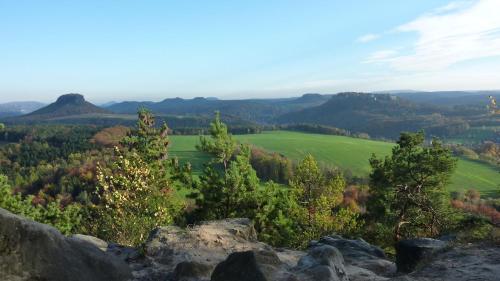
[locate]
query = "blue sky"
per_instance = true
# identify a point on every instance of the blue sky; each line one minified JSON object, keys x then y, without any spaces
{"x":151,"y":50}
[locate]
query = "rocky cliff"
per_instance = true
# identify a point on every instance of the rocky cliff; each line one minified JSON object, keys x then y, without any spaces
{"x":228,"y":250}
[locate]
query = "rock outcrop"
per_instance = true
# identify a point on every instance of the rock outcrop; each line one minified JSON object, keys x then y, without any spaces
{"x":478,"y":262}
{"x":359,"y":253}
{"x":34,"y":251}
{"x":411,"y":253}
{"x":322,"y":263}
{"x":228,"y":250}
{"x":249,"y":266}
{"x":204,"y":245}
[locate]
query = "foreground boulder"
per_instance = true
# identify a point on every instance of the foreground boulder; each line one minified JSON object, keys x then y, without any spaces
{"x":322,"y":263}
{"x":411,"y":253}
{"x":229,"y":250}
{"x":359,"y":253}
{"x":34,"y":251}
{"x":200,"y":246}
{"x":248,"y":266}
{"x":478,"y":262}
{"x":191,"y":271}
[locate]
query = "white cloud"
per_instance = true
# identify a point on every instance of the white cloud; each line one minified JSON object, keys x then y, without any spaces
{"x":381,"y":56}
{"x":367,"y":38}
{"x":458,"y":32}
{"x":453,"y":6}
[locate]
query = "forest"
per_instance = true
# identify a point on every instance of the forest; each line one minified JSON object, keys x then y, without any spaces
{"x":118,"y":183}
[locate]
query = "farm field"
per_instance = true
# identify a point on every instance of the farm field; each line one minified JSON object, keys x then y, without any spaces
{"x":343,"y":152}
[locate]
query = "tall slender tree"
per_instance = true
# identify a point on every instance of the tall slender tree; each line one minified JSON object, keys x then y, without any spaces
{"x":228,"y":185}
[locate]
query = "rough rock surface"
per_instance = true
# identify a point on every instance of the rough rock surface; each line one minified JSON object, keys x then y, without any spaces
{"x":170,"y":251}
{"x":34,"y":251}
{"x":359,"y":253}
{"x":249,"y":266}
{"x":224,"y":250}
{"x":472,"y":262}
{"x":411,"y":253}
{"x":322,"y":263}
{"x":206,"y":244}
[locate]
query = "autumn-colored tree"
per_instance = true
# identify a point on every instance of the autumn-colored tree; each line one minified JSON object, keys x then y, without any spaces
{"x":110,"y":137}
{"x":134,"y":191}
{"x":131,"y":201}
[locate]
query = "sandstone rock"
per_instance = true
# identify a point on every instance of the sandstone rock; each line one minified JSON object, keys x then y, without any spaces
{"x":479,"y":262}
{"x":322,"y":263}
{"x":191,"y":271}
{"x":99,"y":243}
{"x":208,"y":243}
{"x":248,"y":266}
{"x":34,"y":251}
{"x":410,"y":253}
{"x":356,"y":273}
{"x":361,"y":254}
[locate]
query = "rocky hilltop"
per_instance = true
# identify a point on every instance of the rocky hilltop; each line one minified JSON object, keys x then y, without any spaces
{"x":228,"y":250}
{"x":65,"y":105}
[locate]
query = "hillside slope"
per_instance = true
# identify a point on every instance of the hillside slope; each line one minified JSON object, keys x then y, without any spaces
{"x":379,"y":115}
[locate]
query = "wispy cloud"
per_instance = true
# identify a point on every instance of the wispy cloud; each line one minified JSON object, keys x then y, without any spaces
{"x":458,"y":32}
{"x":381,"y":56}
{"x":367,"y":38}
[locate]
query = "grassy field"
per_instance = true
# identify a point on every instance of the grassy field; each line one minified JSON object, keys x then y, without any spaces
{"x":343,"y":152}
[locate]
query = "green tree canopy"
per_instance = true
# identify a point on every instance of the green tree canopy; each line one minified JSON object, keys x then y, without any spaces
{"x":319,"y":198}
{"x":408,"y":187}
{"x":147,"y":140}
{"x":228,"y":184}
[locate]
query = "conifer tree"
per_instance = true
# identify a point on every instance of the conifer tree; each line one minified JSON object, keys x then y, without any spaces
{"x":408,"y":187}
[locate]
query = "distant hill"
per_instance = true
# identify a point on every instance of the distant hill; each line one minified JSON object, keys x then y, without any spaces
{"x":66,"y":105}
{"x":460,"y":115}
{"x":73,"y":109}
{"x":255,"y":110}
{"x":19,"y":108}
{"x":380,"y":115}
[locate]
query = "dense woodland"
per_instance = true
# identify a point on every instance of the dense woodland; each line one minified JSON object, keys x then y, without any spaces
{"x":118,"y":183}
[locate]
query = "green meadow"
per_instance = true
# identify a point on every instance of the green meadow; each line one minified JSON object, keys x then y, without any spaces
{"x":343,"y":152}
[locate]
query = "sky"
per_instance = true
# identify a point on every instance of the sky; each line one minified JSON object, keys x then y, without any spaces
{"x":152,"y":50}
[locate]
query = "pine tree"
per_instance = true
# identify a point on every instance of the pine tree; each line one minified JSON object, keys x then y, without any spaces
{"x":228,"y":184}
{"x":408,"y":187}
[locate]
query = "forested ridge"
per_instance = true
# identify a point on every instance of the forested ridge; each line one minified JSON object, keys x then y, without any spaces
{"x":454,"y":116}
